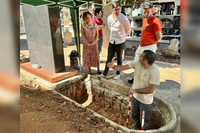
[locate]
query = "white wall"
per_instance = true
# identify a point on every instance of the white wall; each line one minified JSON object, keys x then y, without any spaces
{"x":137,"y":11}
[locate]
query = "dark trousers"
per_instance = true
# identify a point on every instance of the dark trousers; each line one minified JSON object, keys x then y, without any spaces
{"x":136,"y":109}
{"x":112,"y":48}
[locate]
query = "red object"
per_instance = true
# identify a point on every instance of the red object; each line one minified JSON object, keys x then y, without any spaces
{"x":53,"y":25}
{"x":184,"y":9}
{"x":129,"y":108}
{"x":149,"y":27}
{"x":153,"y":11}
{"x":172,"y":6}
{"x":143,"y":114}
{"x":98,"y":21}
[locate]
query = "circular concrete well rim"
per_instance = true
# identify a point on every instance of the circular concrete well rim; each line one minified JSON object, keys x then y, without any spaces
{"x":172,"y":123}
{"x":168,"y":127}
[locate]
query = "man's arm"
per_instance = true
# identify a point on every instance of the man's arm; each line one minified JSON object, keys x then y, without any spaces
{"x":118,"y":67}
{"x":150,"y":89}
{"x":158,"y":36}
{"x":101,"y":27}
{"x":127,"y":26}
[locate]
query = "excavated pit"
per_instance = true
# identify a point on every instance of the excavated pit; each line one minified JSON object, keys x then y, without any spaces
{"x":111,"y":101}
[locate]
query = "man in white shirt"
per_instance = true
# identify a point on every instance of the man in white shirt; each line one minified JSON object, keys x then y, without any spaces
{"x":119,"y":27}
{"x":146,"y":77}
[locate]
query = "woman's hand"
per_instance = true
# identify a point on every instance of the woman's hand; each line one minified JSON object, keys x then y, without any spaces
{"x":90,"y":45}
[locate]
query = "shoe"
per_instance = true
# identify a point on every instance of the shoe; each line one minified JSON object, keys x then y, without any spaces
{"x":102,"y":76}
{"x":99,"y":73}
{"x":123,"y":59}
{"x":117,"y":76}
{"x":90,"y":73}
{"x":131,"y":81}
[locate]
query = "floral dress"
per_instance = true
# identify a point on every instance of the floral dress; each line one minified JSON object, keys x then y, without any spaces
{"x":90,"y":54}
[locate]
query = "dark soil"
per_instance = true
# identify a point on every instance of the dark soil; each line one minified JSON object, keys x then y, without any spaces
{"x":45,"y":112}
{"x":111,"y":109}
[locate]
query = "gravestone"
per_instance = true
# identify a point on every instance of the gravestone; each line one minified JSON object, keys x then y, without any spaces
{"x":44,"y":39}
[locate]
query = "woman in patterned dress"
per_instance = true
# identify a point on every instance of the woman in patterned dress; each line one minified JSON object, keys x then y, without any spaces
{"x":90,"y":34}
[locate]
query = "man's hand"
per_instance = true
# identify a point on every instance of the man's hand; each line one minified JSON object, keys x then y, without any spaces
{"x":110,"y":64}
{"x":103,"y":26}
{"x":131,"y":91}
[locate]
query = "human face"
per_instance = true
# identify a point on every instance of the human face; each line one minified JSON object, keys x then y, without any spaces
{"x":142,"y":60}
{"x":117,"y":10}
{"x":99,"y":14}
{"x":148,"y":13}
{"x":88,"y":19}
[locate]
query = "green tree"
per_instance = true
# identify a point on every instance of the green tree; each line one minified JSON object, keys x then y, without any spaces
{"x":135,"y":4}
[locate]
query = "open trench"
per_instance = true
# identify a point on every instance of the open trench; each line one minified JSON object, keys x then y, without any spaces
{"x":105,"y":103}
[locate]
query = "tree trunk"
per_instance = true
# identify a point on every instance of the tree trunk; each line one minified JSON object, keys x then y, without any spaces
{"x":170,"y":54}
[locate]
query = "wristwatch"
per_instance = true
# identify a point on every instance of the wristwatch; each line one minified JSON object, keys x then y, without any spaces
{"x":93,"y":42}
{"x":114,"y":67}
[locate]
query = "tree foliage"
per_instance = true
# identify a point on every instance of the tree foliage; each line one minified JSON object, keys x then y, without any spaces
{"x":135,"y":4}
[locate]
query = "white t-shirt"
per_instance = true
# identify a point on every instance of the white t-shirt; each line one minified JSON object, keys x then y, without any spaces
{"x":142,"y":78}
{"x":118,"y":29}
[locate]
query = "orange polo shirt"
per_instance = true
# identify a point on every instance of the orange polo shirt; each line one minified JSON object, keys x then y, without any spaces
{"x":184,"y":9}
{"x":149,"y":27}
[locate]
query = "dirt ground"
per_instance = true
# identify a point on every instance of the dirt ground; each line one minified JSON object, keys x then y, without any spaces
{"x":45,"y":112}
{"x":130,"y":52}
{"x":111,"y":109}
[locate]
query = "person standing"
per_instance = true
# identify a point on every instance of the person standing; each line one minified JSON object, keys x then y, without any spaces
{"x":147,"y":77}
{"x":90,"y":33}
{"x":119,"y":27}
{"x":100,"y":25}
{"x":151,"y":32}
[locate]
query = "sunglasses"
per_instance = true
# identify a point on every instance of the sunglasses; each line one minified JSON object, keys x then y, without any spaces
{"x":146,"y":4}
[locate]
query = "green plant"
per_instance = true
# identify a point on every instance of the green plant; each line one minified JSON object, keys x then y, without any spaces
{"x":134,"y":4}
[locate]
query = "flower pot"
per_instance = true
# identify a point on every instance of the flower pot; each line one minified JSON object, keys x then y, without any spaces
{"x":172,"y":12}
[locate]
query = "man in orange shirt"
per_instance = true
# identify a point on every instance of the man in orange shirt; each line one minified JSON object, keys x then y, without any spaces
{"x":151,"y":32}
